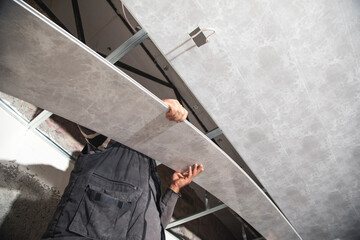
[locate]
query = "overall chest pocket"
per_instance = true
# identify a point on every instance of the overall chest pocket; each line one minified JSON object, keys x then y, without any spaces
{"x":105,"y":209}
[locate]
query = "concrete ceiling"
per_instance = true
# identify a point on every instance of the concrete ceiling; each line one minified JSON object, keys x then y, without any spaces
{"x":281,"y":79}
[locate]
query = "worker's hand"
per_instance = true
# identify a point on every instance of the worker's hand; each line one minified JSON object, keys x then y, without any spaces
{"x":180,"y":180}
{"x":176,"y":112}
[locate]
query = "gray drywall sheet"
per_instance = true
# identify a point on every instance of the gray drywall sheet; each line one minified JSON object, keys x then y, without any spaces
{"x":42,"y":64}
{"x":281,"y":79}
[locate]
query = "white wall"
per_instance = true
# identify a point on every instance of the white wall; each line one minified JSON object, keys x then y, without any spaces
{"x":29,"y":148}
{"x":33,"y":175}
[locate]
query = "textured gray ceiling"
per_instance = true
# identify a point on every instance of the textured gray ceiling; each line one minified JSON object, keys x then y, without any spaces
{"x":40,"y":62}
{"x":281,"y":78}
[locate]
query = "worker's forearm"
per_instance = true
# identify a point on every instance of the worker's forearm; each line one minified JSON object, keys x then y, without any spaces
{"x":168,"y":203}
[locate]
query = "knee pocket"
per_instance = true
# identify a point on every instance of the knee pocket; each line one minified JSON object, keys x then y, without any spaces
{"x":105,"y":209}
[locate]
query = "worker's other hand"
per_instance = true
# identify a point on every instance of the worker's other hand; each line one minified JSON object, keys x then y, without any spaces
{"x":176,"y":112}
{"x":180,"y":180}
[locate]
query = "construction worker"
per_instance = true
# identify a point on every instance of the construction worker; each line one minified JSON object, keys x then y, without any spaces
{"x":114,"y":192}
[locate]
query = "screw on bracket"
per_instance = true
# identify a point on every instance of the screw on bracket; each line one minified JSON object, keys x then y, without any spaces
{"x":195,"y":107}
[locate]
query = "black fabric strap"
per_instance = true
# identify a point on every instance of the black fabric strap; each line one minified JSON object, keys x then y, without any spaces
{"x":97,"y":196}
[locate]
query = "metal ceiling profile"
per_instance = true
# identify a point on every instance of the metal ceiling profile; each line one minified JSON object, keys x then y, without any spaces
{"x":78,"y":66}
{"x":127,"y":46}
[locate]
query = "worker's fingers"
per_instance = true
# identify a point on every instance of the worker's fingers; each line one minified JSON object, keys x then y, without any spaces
{"x":199,"y":169}
{"x":184,"y":116}
{"x":173,"y":112}
{"x":180,"y":175}
{"x":196,"y":170}
{"x":181,"y":116}
{"x":171,"y":115}
{"x":190,"y":172}
{"x":179,"y":112}
{"x":185,"y":174}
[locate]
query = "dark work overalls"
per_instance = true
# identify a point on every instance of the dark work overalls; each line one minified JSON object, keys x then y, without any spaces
{"x":107,"y":197}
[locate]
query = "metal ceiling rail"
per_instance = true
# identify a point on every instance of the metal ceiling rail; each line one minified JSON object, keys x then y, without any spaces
{"x":142,"y":74}
{"x":39,"y":119}
{"x":79,"y":27}
{"x":195,"y":216}
{"x":127,"y":46}
{"x":214,"y":133}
